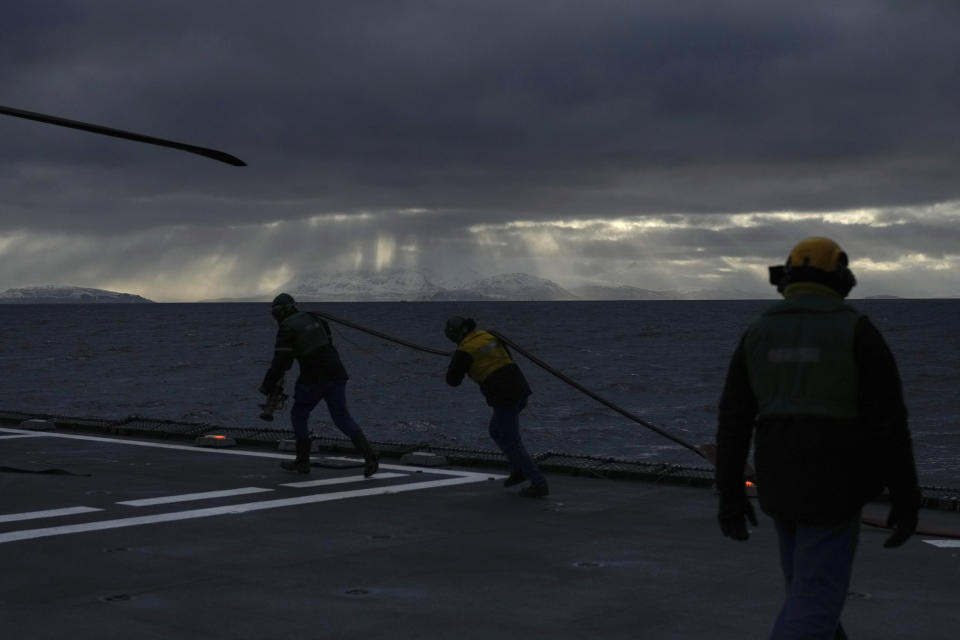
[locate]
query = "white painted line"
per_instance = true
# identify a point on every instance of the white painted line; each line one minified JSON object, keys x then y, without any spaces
{"x":186,"y":497}
{"x":479,"y":475}
{"x":47,"y":513}
{"x":329,"y":481}
{"x":155,"y":445}
{"x":29,"y":534}
{"x":241,"y":452}
{"x":20,"y":435}
{"x":944,"y":544}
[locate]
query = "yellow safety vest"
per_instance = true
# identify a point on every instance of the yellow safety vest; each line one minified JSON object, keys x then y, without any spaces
{"x":487,"y":353}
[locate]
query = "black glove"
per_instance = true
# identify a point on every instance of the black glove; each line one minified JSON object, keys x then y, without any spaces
{"x":903,"y":521}
{"x":733,"y":518}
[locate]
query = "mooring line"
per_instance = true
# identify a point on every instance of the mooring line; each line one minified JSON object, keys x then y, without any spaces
{"x":706,"y":452}
{"x":582,"y":389}
{"x":374,"y":332}
{"x":540,"y":363}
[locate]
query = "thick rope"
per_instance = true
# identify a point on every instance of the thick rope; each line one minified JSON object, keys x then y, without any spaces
{"x":706,"y":451}
{"x":373,"y":332}
{"x":579,"y":387}
{"x":537,"y":361}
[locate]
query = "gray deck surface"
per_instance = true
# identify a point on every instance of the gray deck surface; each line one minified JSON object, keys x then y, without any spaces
{"x":368,"y":559}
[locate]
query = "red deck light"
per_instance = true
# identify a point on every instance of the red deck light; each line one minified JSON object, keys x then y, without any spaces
{"x":211,"y":440}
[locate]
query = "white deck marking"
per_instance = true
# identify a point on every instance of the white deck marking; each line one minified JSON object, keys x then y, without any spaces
{"x":453,"y":477}
{"x":29,"y":534}
{"x":186,"y":497}
{"x":344,"y":480}
{"x":256,"y":454}
{"x":141,"y":443}
{"x":46,"y":513}
{"x":944,"y":544}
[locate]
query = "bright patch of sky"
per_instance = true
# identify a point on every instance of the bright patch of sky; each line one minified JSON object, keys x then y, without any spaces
{"x":679,"y":252}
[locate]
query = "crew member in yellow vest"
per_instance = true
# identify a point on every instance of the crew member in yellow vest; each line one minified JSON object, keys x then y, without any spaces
{"x":817,"y":383}
{"x":487,"y":361}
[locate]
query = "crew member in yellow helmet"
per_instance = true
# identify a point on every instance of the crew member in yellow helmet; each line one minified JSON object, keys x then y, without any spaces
{"x":481,"y":356}
{"x":816,"y":382}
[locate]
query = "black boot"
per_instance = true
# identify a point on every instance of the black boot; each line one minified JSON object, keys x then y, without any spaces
{"x":535,"y":491}
{"x":515,"y":478}
{"x":371,"y":461}
{"x":302,"y":463}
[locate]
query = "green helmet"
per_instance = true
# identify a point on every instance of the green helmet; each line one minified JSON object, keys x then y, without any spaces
{"x":282,"y":306}
{"x":458,"y":327}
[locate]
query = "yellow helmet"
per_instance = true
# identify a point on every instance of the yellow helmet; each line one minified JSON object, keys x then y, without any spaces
{"x":815,"y":260}
{"x":819,"y":253}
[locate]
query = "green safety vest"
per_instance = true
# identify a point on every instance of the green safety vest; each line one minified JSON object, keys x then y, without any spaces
{"x":309,"y":331}
{"x":487,"y":353}
{"x":800,"y":358}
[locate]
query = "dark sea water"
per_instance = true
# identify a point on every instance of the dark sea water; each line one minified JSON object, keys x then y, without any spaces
{"x":663,"y":360}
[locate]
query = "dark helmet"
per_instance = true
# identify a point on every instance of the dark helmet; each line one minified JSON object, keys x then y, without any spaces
{"x":457,"y":328}
{"x":819,"y":260}
{"x":282,"y":306}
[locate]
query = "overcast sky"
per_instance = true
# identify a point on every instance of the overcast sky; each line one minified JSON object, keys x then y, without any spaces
{"x":675,"y":144}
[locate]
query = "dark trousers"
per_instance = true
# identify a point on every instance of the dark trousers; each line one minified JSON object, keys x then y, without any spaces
{"x":307,"y":395}
{"x":817,"y":563}
{"x":505,"y":431}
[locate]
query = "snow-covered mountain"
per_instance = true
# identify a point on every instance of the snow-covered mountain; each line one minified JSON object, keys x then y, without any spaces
{"x":723,"y":294}
{"x":508,"y":286}
{"x":54,"y":294}
{"x":620,"y":292}
{"x":418,"y":284}
{"x":401,"y":284}
{"x":424,"y":284}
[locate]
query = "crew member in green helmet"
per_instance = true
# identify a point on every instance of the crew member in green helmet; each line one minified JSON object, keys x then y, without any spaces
{"x":816,"y":382}
{"x":305,"y":337}
{"x":481,"y":356}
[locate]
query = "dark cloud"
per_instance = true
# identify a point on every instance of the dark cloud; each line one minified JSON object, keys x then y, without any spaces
{"x":484,"y":112}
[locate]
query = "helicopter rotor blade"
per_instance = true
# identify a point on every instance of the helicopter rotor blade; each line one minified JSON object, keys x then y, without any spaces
{"x":127,"y":135}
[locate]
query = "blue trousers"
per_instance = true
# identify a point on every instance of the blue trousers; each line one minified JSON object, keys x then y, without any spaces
{"x":306,"y":396}
{"x":817,"y":563}
{"x":505,"y":431}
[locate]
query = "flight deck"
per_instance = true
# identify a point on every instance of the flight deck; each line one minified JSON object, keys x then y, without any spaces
{"x":152,"y":538}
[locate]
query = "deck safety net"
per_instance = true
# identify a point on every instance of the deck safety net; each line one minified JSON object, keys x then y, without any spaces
{"x":934,"y":497}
